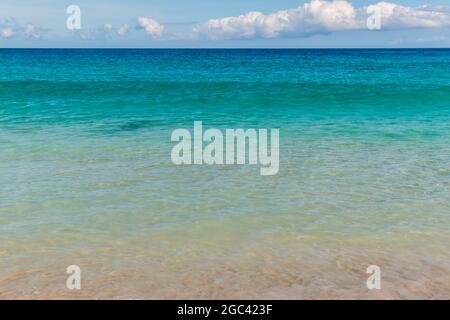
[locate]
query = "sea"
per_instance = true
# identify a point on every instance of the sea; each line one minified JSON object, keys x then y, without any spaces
{"x":86,"y":176}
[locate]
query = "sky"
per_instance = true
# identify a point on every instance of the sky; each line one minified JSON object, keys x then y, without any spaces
{"x":225,"y":23}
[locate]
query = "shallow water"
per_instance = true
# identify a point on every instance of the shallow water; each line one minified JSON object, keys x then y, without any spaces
{"x":86,"y":176}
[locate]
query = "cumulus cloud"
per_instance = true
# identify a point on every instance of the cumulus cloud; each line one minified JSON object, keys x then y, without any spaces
{"x":123,"y":30}
{"x":152,"y":27}
{"x":10,"y":28}
{"x":394,"y":16}
{"x":31,"y":31}
{"x":321,"y":16}
{"x":7,"y":32}
{"x":108,"y":26}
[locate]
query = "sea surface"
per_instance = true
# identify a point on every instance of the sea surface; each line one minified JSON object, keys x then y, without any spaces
{"x":86,"y":176}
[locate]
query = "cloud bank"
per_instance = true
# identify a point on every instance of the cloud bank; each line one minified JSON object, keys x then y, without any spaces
{"x":320,"y":16}
{"x":314,"y":17}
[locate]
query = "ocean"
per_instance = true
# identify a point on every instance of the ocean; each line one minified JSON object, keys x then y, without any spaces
{"x":86,"y":176}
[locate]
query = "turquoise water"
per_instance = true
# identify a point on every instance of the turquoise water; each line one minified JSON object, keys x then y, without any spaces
{"x":86,"y":176}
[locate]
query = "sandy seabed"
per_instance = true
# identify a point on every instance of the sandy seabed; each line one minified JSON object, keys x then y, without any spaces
{"x":253,"y":273}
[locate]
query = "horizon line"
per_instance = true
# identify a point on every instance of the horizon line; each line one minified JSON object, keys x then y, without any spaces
{"x":223,"y":48}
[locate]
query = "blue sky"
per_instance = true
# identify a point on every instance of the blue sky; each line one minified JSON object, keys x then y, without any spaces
{"x":230,"y":23}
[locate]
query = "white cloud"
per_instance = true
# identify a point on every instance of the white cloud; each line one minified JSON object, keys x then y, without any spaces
{"x":108,"y":26}
{"x":32,"y":32}
{"x":10,"y":28}
{"x":320,"y":16}
{"x":7,"y":32}
{"x":152,"y":27}
{"x":123,"y":30}
{"x":394,"y":16}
